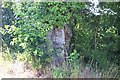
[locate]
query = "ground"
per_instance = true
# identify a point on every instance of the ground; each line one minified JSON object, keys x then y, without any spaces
{"x":18,"y":69}
{"x":14,"y":70}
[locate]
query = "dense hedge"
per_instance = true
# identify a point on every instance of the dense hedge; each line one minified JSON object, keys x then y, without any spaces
{"x":94,"y":37}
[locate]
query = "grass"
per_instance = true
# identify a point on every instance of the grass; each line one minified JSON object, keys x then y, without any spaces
{"x":74,"y":70}
{"x":80,"y":71}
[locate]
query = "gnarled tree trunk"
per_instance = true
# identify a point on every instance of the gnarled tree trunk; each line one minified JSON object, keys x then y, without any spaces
{"x":59,"y":39}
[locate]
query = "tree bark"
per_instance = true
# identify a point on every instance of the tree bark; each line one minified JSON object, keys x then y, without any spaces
{"x":59,"y":39}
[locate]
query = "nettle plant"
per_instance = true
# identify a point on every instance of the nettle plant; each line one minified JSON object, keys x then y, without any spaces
{"x":32,"y":21}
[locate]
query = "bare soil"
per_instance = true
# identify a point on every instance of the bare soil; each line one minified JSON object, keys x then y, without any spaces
{"x":17,"y":69}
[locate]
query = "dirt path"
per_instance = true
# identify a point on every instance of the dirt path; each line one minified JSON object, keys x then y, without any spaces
{"x":14,"y":70}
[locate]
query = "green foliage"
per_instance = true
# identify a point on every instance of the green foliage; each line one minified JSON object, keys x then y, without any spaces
{"x":90,"y":70}
{"x":31,"y":24}
{"x":74,"y":64}
{"x":73,"y":58}
{"x":70,"y":70}
{"x":94,"y":37}
{"x":59,"y":73}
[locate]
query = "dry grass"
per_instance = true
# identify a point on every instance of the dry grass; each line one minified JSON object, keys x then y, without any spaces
{"x":17,"y":69}
{"x":81,"y":71}
{"x":9,"y":69}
